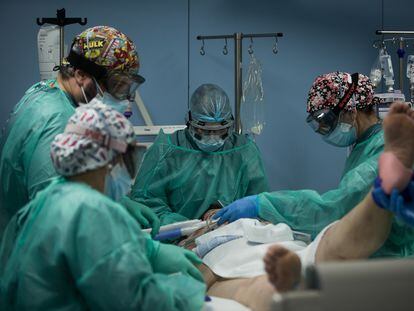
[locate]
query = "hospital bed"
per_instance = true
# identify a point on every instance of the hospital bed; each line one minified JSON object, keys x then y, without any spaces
{"x":373,"y":285}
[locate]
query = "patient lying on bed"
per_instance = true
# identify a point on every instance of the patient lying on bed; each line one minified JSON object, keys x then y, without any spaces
{"x":356,"y":236}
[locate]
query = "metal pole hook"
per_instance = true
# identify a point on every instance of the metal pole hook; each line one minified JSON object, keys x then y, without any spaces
{"x":275,"y":49}
{"x":250,"y":50}
{"x":202,"y":51}
{"x":225,"y":50}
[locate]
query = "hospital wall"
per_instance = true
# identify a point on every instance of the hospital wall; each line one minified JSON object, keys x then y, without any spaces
{"x":320,"y":36}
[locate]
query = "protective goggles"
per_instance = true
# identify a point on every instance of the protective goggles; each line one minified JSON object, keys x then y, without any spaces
{"x":324,"y":121}
{"x":123,"y":85}
{"x":119,"y":84}
{"x":210,"y":126}
{"x":202,"y":128}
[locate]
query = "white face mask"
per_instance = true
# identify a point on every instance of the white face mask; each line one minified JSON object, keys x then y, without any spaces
{"x":210,"y":143}
{"x":118,"y":182}
{"x":119,"y":105}
{"x":343,"y":135}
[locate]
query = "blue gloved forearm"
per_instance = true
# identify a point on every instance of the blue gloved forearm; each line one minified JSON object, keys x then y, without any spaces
{"x":247,"y":207}
{"x":399,"y":203}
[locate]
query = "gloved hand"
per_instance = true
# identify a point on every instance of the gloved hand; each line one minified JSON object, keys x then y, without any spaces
{"x":142,"y":214}
{"x":401,"y":204}
{"x":173,"y":259}
{"x":247,"y":207}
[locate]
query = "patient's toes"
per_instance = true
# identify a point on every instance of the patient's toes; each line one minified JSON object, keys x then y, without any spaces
{"x":398,"y":128}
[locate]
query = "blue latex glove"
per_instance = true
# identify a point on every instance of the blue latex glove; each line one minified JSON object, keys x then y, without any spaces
{"x":401,"y":204}
{"x":142,"y":214}
{"x":247,"y":207}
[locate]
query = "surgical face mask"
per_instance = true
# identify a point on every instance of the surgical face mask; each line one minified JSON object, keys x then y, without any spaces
{"x":209,"y":143}
{"x":119,"y":105}
{"x":118,"y":182}
{"x":343,"y":135}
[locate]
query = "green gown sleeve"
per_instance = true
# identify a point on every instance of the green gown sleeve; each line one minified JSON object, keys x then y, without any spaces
{"x":151,"y":184}
{"x":37,"y":162}
{"x":112,"y":267}
{"x":308,"y":211}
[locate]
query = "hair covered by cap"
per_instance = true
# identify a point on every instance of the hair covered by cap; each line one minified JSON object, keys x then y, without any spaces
{"x":209,"y":103}
{"x":107,"y":47}
{"x":328,"y":89}
{"x":73,"y":153}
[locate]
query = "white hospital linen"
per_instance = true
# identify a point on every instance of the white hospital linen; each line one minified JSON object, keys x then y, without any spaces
{"x":307,"y":255}
{"x":253,"y":230}
{"x":243,"y":257}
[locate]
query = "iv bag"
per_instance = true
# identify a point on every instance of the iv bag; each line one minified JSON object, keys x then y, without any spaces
{"x":49,"y":51}
{"x":410,"y":68}
{"x":252,"y":104}
{"x":386,"y":65}
{"x":376,"y":73}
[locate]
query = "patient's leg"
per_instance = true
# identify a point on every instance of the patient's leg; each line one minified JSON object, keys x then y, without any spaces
{"x":364,"y":229}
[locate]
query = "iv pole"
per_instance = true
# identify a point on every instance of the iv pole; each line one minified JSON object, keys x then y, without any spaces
{"x":400,"y":51}
{"x":61,"y":20}
{"x":238,"y":59}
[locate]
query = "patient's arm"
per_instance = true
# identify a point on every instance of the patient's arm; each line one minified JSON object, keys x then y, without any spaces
{"x":357,"y":235}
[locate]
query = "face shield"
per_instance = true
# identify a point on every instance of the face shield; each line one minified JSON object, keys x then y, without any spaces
{"x":122,"y":86}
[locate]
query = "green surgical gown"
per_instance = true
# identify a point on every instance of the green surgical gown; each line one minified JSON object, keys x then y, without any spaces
{"x":310,"y":212}
{"x":180,"y":182}
{"x":72,"y":248}
{"x":25,"y":164}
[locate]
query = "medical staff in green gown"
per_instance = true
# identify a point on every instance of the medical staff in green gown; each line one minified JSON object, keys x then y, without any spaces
{"x":73,"y":248}
{"x":341,"y":110}
{"x":25,"y":166}
{"x":185,"y":174}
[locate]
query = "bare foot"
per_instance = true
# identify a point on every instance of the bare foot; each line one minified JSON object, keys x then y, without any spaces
{"x":283,"y":268}
{"x":399,"y":133}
